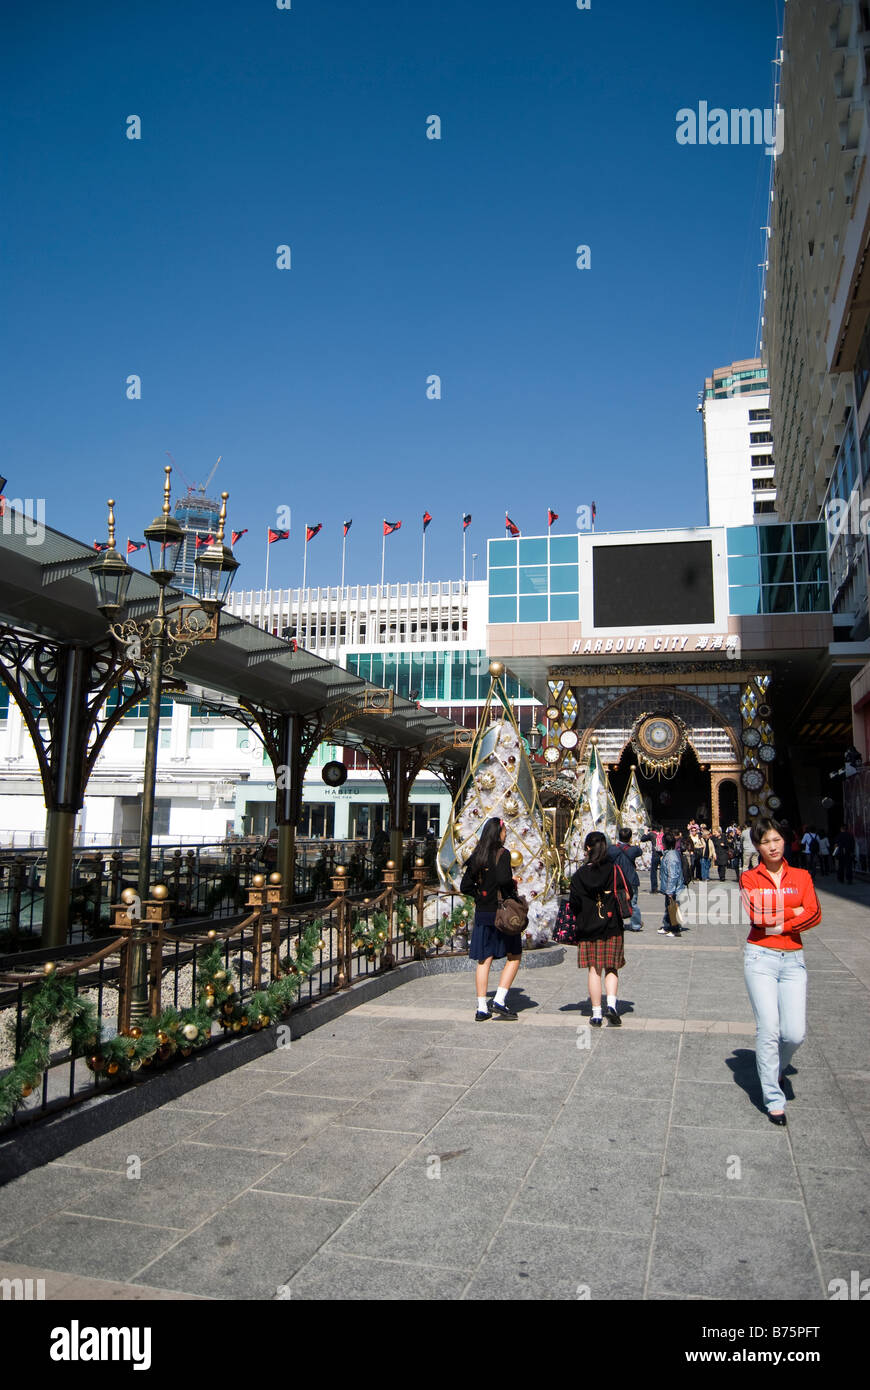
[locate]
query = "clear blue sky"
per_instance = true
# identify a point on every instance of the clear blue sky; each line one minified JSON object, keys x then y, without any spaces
{"x":409,"y":257}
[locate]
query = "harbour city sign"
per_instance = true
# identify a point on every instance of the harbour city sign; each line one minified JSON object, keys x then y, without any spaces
{"x":727,"y":643}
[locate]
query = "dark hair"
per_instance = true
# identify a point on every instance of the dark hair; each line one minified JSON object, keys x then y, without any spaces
{"x":624,"y":833}
{"x":487,"y":848}
{"x":595,"y":846}
{"x":761,"y":827}
{"x":669,"y":840}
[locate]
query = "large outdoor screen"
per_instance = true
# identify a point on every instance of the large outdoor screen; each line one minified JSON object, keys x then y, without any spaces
{"x":653,"y":585}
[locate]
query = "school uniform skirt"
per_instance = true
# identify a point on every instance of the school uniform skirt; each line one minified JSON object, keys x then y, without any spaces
{"x":486,"y":941}
{"x":603,"y":953}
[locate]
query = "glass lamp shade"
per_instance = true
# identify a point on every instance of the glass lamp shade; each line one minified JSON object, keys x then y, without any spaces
{"x":165,"y":539}
{"x":534,"y":739}
{"x":111,"y":575}
{"x":215,"y":571}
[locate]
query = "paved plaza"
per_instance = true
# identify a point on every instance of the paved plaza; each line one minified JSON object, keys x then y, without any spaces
{"x":406,"y":1152}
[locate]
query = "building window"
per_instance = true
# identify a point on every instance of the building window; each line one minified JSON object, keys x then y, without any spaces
{"x":760,"y":438}
{"x":763,"y":507}
{"x":759,"y":415}
{"x":200,"y":738}
{"x":763,"y":484}
{"x":762,"y":460}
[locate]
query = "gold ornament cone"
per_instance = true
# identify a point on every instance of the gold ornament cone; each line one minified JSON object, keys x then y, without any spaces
{"x":499,"y":782}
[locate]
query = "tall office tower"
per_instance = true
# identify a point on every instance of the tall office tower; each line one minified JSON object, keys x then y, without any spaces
{"x":817,"y":297}
{"x":738,"y":445}
{"x":198,"y":516}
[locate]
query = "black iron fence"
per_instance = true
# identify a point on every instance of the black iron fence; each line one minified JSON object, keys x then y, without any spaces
{"x":358,"y":936}
{"x":204,"y":881}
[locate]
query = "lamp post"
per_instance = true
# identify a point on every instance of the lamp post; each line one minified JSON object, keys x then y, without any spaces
{"x":163,"y":640}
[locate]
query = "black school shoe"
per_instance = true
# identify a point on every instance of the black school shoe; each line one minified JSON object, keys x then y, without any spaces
{"x":502,"y":1011}
{"x":481,"y":1017}
{"x":613,"y":1019}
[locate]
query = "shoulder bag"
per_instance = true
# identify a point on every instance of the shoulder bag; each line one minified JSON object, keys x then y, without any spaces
{"x":621,"y":893}
{"x":511,"y":915}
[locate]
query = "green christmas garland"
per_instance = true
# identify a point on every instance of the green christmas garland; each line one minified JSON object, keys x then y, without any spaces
{"x":441,"y":930}
{"x":371,"y":935}
{"x":55,"y":1002}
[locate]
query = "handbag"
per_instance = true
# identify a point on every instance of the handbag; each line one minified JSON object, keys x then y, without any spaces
{"x":565,"y":929}
{"x":675,"y":916}
{"x":622,"y":895}
{"x":511,"y":915}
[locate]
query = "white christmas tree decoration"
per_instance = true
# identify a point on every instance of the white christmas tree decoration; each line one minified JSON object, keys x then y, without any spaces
{"x":596,"y":809}
{"x":499,"y":782}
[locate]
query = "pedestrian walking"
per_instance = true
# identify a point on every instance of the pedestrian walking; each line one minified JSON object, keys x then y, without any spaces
{"x":810,"y":849}
{"x":488,"y":875}
{"x":825,"y":855}
{"x":685,"y":850}
{"x":844,"y":853}
{"x":655,"y":836}
{"x":781,"y":902}
{"x":672,"y":883}
{"x":626,"y":855}
{"x":721,"y":854}
{"x":601,"y":948}
{"x":708,"y":853}
{"x":748,"y":854}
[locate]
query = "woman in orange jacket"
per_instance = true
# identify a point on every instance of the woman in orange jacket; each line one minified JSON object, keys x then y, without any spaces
{"x":781,"y":902}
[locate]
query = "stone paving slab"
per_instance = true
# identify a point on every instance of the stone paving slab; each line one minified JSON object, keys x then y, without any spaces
{"x":405,"y":1152}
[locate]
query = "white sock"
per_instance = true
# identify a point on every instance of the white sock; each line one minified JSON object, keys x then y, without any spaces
{"x":500,"y":995}
{"x":611,"y":1001}
{"x":596,"y":1010}
{"x":482,"y":1005}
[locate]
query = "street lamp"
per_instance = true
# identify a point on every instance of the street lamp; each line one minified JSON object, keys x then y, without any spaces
{"x":145,"y":643}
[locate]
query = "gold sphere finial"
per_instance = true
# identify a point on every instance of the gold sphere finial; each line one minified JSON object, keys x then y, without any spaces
{"x":340,"y":870}
{"x":420,"y":863}
{"x":391,"y":864}
{"x":496,"y":669}
{"x":167,"y":487}
{"x":49,"y":968}
{"x":258,"y":881}
{"x":275,"y":878}
{"x":219,"y":538}
{"x":111,"y":523}
{"x":129,"y":896}
{"x":159,"y":892}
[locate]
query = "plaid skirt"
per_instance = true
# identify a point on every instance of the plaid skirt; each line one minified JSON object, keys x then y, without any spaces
{"x":603,"y":952}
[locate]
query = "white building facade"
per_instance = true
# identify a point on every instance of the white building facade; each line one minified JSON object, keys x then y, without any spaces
{"x":738,"y":445}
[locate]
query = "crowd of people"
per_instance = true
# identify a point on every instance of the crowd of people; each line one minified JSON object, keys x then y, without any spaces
{"x":775,"y":866}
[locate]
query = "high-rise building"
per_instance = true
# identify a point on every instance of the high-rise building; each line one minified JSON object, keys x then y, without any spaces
{"x":198,"y":516}
{"x":817,"y":297}
{"x":738,"y":445}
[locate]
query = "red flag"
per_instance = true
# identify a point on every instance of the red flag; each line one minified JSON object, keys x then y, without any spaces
{"x":593,"y":511}
{"x":391,"y":526}
{"x":311,"y":531}
{"x":466,"y":521}
{"x":202,"y":540}
{"x":551,"y":516}
{"x":237,"y":535}
{"x":426,"y":519}
{"x":133,"y":546}
{"x":347,"y":525}
{"x":101,"y":545}
{"x":509,"y":526}
{"x":278,"y":535}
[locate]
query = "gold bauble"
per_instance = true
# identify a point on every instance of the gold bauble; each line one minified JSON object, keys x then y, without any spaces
{"x":420,"y":863}
{"x":231,"y":989}
{"x":159,"y":892}
{"x":135,"y":1032}
{"x":189,"y":1031}
{"x":49,"y":968}
{"x":129,"y":896}
{"x":136,"y":1064}
{"x":26,"y":1090}
{"x":275,"y":878}
{"x":391,"y":864}
{"x":163,"y":1038}
{"x":212,"y":934}
{"x":245,"y":1020}
{"x":496,"y":668}
{"x":264,"y":1020}
{"x":321,"y":945}
{"x":112,"y":1068}
{"x":237,"y":1027}
{"x":258,"y":881}
{"x":340,"y":870}
{"x":209,"y":1001}
{"x":220,"y":974}
{"x":516,"y":858}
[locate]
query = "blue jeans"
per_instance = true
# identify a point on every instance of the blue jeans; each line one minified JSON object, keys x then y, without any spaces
{"x":705,"y":869}
{"x":654,"y":871}
{"x":777,"y":985}
{"x":636,"y":922}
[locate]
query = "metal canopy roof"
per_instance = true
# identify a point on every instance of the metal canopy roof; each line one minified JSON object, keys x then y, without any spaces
{"x":45,"y":589}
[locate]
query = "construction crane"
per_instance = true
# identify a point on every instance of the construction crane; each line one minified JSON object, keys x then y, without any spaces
{"x":193,"y":487}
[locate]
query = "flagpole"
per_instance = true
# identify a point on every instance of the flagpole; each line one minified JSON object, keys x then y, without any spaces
{"x":423,"y":563}
{"x":464,"y":529}
{"x":343,"y":544}
{"x":305,"y":560}
{"x":266,"y":586}
{"x":383,"y":551}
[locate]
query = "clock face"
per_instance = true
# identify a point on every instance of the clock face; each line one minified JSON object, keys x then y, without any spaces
{"x":552,"y":755}
{"x":552,"y":713}
{"x":767,"y":753}
{"x":752,"y":810}
{"x":569,"y":739}
{"x":752,"y":779}
{"x":751,"y":738}
{"x":659,"y":736}
{"x":774,"y":803}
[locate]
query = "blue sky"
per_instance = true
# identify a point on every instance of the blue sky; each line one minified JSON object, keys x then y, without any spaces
{"x":410,"y":257}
